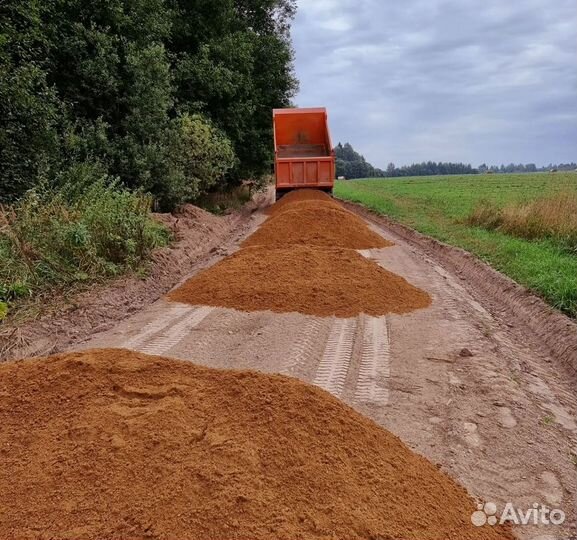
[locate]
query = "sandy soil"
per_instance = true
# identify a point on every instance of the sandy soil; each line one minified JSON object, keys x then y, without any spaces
{"x":315,"y":223}
{"x":462,"y":382}
{"x":227,"y":454}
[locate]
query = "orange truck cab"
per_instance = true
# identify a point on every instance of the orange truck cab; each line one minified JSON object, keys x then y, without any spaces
{"x":304,"y":156}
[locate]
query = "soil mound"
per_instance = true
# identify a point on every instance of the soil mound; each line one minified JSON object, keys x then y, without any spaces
{"x":310,"y":280}
{"x":191,"y":218}
{"x":114,"y":444}
{"x":316,"y":223}
{"x":299,"y":195}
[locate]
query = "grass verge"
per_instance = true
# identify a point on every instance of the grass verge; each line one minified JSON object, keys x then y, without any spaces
{"x":442,"y":207}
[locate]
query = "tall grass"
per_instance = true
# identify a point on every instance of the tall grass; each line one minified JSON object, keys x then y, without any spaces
{"x":553,"y":216}
{"x":60,"y":237}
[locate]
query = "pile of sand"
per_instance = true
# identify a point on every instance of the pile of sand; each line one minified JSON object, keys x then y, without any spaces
{"x":300,"y":195}
{"x":302,"y":260}
{"x":305,"y":205}
{"x":316,"y":223}
{"x":114,"y":444}
{"x":310,"y":280}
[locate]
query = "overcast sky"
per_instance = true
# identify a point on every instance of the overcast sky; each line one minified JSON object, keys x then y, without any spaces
{"x":453,"y":80}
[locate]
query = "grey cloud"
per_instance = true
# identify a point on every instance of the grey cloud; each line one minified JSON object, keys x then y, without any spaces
{"x":459,"y":80}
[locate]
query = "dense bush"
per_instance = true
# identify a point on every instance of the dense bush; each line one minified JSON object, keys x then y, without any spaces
{"x":138,"y":88}
{"x":201,"y":155}
{"x":70,"y":235}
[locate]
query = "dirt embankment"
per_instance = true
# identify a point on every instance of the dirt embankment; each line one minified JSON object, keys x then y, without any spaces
{"x":70,"y":319}
{"x":115,"y":444}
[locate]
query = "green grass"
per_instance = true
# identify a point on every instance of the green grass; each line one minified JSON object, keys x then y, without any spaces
{"x":440,"y":205}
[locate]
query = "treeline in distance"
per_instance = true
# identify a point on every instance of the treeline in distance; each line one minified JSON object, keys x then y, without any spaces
{"x":351,"y":165}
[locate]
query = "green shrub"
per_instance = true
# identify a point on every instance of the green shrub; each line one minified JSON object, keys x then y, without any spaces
{"x":219,"y":202}
{"x":200,"y":156}
{"x":51,"y":237}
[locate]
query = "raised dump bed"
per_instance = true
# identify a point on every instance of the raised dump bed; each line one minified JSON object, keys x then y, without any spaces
{"x":303,"y":150}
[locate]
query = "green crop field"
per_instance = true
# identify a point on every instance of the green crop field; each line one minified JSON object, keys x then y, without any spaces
{"x":440,"y":206}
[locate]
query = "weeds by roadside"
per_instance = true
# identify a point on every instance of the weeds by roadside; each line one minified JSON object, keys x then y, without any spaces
{"x":55,"y":238}
{"x":221,"y":202}
{"x":553,"y":216}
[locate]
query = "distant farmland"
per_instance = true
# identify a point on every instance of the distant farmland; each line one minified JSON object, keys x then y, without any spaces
{"x":474,"y":212}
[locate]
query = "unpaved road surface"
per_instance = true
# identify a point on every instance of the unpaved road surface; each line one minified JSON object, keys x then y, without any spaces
{"x":459,"y":382}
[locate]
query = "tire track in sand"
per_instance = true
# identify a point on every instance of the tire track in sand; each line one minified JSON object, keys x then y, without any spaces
{"x":169,"y":316}
{"x":334,"y":365}
{"x":303,"y":348}
{"x":170,"y":337}
{"x":375,"y":362}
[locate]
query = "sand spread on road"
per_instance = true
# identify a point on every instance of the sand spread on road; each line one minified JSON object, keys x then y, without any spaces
{"x":310,"y":280}
{"x":316,"y":223}
{"x":116,"y":444}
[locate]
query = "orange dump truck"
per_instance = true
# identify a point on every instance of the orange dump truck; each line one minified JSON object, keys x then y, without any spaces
{"x":304,"y":156}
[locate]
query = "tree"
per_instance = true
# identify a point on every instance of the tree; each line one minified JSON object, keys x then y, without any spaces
{"x":351,"y":164}
{"x":30,"y":109}
{"x":239,"y":73}
{"x":341,"y":165}
{"x":109,"y":82}
{"x":201,"y":156}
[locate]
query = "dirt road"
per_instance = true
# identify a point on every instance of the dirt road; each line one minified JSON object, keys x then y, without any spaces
{"x":458,"y":382}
